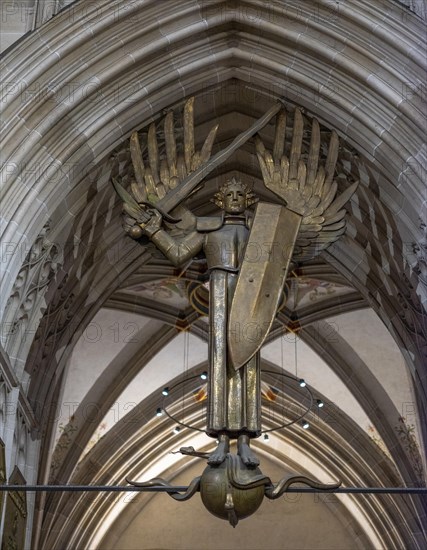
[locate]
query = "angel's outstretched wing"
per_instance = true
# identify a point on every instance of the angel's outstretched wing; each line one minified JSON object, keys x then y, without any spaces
{"x":306,"y":186}
{"x":160,"y":164}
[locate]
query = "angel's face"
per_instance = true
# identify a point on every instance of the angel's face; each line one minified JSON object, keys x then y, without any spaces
{"x":235,"y":200}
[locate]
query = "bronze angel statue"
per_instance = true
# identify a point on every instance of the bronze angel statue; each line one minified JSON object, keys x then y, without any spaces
{"x":245,"y":288}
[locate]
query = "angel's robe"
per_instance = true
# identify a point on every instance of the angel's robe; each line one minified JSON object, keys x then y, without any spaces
{"x":234,"y":406}
{"x":234,"y":396}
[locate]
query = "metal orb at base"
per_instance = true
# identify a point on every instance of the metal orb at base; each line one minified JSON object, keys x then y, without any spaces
{"x":226,"y":501}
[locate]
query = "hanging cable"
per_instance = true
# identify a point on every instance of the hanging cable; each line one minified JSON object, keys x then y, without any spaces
{"x":296,"y":356}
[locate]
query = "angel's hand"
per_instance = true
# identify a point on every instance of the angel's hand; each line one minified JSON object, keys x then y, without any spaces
{"x":154,"y":223}
{"x":136,"y":227}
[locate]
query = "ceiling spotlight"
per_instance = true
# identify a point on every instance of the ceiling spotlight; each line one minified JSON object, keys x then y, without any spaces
{"x":320,"y":403}
{"x":204,"y":375}
{"x":305,"y":424}
{"x":302,"y":382}
{"x":165,"y":391}
{"x":266,"y":437}
{"x":176,"y":430}
{"x":159,"y":412}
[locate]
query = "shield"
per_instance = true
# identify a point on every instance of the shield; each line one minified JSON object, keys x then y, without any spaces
{"x":261,"y":280}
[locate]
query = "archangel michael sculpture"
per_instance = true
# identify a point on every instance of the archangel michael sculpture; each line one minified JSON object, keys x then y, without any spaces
{"x":244,"y":290}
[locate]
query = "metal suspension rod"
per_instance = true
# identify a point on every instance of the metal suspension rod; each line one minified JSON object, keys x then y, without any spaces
{"x":181,"y":488}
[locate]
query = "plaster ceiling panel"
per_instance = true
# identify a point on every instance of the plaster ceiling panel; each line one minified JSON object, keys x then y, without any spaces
{"x":181,"y":354}
{"x":298,"y":359}
{"x":366,"y":333}
{"x":108,"y":333}
{"x":303,"y":293}
{"x":309,"y":290}
{"x":16,"y":18}
{"x":170,"y":291}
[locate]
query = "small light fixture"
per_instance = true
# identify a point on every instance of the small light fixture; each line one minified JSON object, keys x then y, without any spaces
{"x":176,"y":430}
{"x":302,"y":382}
{"x":204,"y":375}
{"x":305,"y":424}
{"x":266,"y":437}
{"x":159,"y":412}
{"x":165,"y":391}
{"x":320,"y":403}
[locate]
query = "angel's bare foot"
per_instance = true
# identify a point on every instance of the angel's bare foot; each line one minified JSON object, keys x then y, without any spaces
{"x":218,"y":456}
{"x":245,"y":452}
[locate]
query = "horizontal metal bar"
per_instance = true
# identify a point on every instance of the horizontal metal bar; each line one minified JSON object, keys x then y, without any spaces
{"x":182,"y":489}
{"x":99,"y":488}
